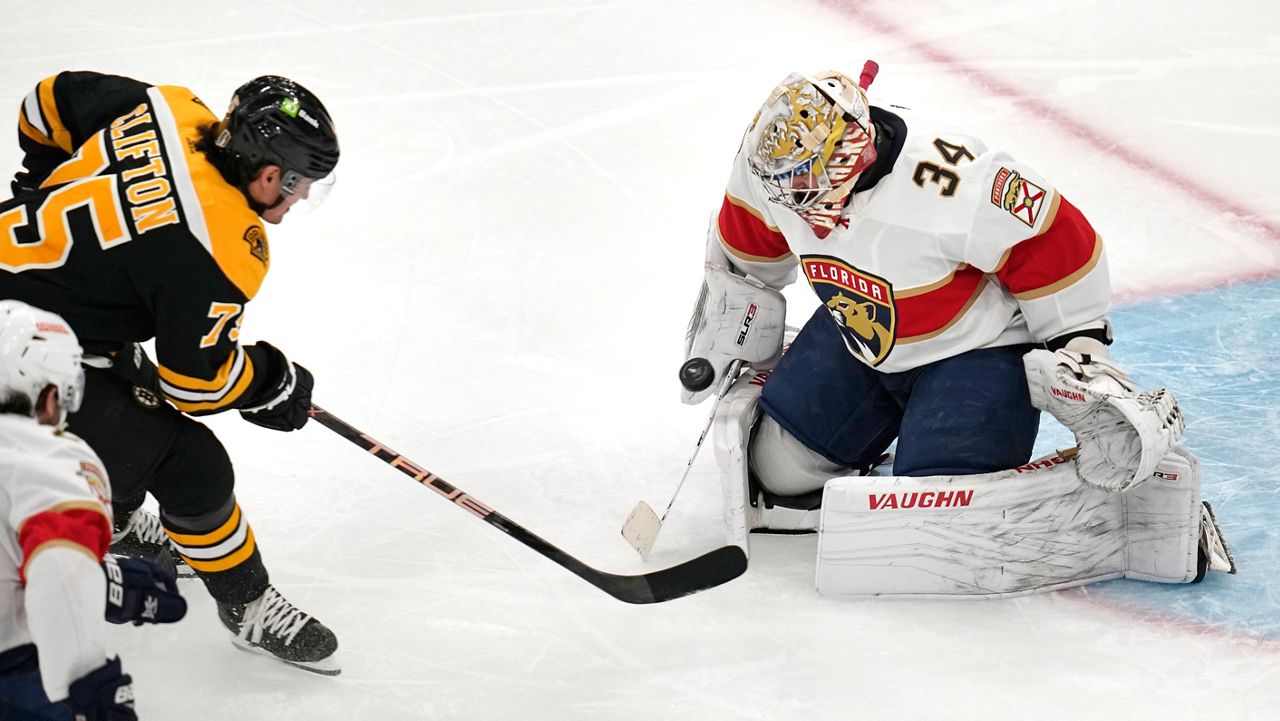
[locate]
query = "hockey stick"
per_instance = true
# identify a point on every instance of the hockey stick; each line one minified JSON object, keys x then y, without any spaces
{"x":643,"y":525}
{"x":705,"y":571}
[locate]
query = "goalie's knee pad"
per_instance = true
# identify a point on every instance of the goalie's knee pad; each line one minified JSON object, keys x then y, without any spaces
{"x":1029,"y":529}
{"x":785,"y":466}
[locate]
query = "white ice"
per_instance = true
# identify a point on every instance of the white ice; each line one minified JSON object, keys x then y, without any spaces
{"x":498,"y":288}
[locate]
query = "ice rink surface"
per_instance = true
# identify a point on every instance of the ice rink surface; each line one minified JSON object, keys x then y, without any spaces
{"x":499,"y":286}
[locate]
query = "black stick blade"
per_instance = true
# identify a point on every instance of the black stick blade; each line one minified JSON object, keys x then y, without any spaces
{"x":706,"y":571}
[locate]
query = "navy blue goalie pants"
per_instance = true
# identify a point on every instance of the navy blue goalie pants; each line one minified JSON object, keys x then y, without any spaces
{"x":967,"y":414}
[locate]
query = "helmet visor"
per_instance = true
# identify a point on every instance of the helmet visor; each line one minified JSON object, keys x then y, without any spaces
{"x":73,"y":394}
{"x":312,"y":190}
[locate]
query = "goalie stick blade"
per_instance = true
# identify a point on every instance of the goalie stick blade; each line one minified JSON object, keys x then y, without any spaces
{"x":706,"y":571}
{"x":641,"y":528}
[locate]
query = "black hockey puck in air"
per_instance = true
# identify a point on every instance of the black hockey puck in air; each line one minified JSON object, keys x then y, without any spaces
{"x":696,"y":374}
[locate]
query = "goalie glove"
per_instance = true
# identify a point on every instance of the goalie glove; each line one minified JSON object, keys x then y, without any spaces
{"x":1122,"y":434}
{"x":735,"y":318}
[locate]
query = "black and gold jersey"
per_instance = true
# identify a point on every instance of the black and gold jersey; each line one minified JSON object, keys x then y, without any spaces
{"x":124,"y":228}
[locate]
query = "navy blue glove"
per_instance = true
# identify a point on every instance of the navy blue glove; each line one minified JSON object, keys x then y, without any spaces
{"x":141,"y":591}
{"x":104,"y":694}
{"x":287,"y":401}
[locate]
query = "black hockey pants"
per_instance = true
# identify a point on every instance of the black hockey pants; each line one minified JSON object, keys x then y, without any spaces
{"x":150,"y":447}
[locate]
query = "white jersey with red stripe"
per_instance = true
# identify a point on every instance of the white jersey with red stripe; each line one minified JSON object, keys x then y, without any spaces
{"x":957,"y":247}
{"x":54,"y":497}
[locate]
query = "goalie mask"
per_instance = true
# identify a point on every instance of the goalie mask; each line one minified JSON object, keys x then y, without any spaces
{"x":809,"y":142}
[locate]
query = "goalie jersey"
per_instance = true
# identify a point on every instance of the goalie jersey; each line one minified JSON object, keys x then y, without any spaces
{"x":954,"y":247}
{"x":122,"y":226}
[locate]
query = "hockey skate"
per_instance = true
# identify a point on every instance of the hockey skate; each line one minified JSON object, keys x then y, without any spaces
{"x":1214,"y":554}
{"x":143,"y":536}
{"x":271,"y":626}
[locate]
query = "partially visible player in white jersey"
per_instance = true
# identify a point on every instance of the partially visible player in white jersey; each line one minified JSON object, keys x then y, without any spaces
{"x":959,"y":292}
{"x":55,"y":526}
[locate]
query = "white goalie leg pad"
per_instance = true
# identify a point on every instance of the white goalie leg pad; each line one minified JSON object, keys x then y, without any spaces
{"x":1163,"y":521}
{"x":1026,"y":530}
{"x":1122,"y":434}
{"x":735,"y":318}
{"x":733,"y":427}
{"x":731,"y":431}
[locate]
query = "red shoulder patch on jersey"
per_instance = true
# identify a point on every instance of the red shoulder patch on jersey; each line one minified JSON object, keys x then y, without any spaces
{"x":1022,"y":198}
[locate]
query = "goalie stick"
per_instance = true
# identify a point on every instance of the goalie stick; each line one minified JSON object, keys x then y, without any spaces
{"x":706,"y":571}
{"x":643,"y":525}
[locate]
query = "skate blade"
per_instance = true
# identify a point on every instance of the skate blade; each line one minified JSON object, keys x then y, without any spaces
{"x":325,"y":666}
{"x":1214,"y":544}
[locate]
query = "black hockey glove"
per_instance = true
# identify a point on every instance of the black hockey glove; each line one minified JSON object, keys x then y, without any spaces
{"x":140,"y":591}
{"x":288,"y":400}
{"x":104,"y":694}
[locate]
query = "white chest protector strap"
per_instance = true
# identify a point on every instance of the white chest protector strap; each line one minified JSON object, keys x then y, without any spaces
{"x":1034,"y":528}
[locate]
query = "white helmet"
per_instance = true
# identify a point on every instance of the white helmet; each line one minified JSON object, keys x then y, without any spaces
{"x":38,"y":349}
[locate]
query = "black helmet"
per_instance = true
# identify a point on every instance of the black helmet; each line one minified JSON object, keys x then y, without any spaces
{"x":273,"y":120}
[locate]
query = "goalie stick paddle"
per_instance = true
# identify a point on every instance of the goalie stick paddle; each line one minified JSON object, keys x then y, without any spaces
{"x":706,"y":571}
{"x":643,"y":525}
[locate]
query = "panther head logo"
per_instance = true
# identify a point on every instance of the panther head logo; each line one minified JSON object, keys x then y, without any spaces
{"x":859,"y":317}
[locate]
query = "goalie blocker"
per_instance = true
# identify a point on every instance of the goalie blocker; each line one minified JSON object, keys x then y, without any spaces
{"x":735,"y":319}
{"x":1024,"y":530}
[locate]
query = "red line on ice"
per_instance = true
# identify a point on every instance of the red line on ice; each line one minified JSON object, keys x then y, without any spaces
{"x":1090,"y":136}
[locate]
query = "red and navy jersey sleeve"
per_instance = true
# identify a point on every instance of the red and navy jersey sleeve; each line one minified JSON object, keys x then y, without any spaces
{"x":62,"y":112}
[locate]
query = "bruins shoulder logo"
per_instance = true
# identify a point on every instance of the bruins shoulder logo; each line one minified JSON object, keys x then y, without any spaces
{"x":860,"y":304}
{"x":257,"y":241}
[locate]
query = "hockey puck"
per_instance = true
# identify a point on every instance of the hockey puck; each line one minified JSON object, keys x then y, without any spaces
{"x":697,"y":374}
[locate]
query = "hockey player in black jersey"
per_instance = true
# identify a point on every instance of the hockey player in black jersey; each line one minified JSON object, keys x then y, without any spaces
{"x":140,"y":215}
